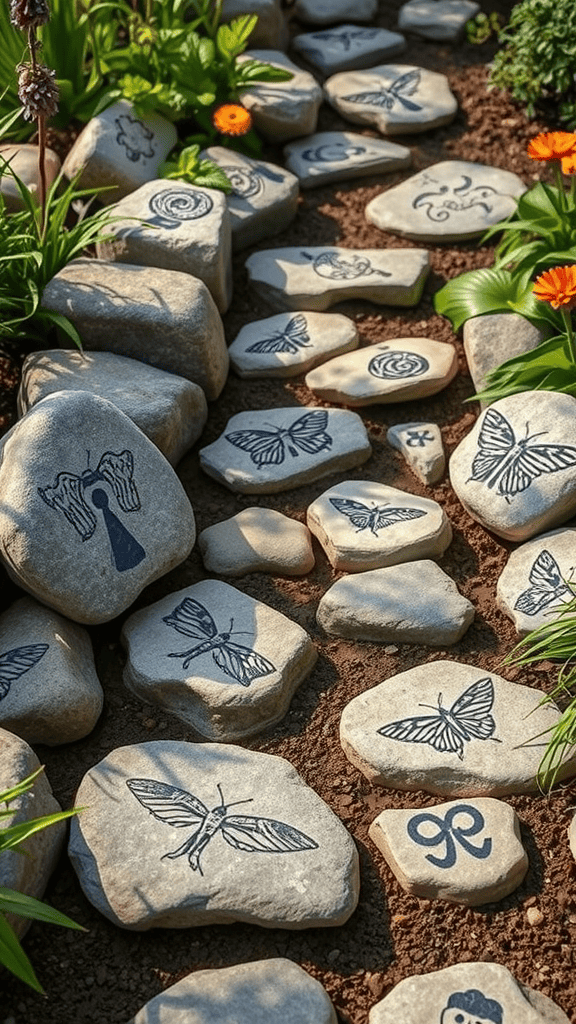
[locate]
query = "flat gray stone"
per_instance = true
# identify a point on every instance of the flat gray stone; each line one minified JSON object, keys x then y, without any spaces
{"x":118,"y":148}
{"x":415,"y":602}
{"x":398,"y":370}
{"x":91,"y":511}
{"x":448,"y":202}
{"x":468,"y":853}
{"x":264,"y":197}
{"x":234,"y":674}
{"x":161,"y":317}
{"x":49,"y":690}
{"x":395,"y":98}
{"x":494,"y":337}
{"x":515,"y":472}
{"x":336,"y":156}
{"x":282,"y":110}
{"x":422,"y":447}
{"x":170,"y":410}
{"x":271,"y":450}
{"x":282,"y":860}
{"x":537,"y":580}
{"x":271,"y":30}
{"x":478,"y":734}
{"x":175,"y":226}
{"x":257,"y":540}
{"x":442,"y":20}
{"x":23,"y":161}
{"x":363,"y":525}
{"x":318,"y":276}
{"x":291,"y":343}
{"x":275,"y":991}
{"x":348,"y":47}
{"x":330,"y":12}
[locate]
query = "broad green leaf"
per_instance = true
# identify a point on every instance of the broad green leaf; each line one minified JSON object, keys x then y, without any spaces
{"x":482,"y":291}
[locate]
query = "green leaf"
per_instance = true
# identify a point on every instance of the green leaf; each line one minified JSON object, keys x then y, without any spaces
{"x":16,"y":834}
{"x":485,"y":291}
{"x":12,"y":902}
{"x":14,"y":958}
{"x":232,"y":39}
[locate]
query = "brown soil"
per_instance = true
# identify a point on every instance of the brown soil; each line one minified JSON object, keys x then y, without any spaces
{"x":105,"y":975}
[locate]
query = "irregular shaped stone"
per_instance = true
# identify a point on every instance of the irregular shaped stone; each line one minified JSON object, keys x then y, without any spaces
{"x":468,"y":853}
{"x":422,"y":447}
{"x":282,"y":110}
{"x":444,"y":20}
{"x":348,"y":47}
{"x":257,"y":540}
{"x":336,"y":156}
{"x":27,"y":874}
{"x":494,"y":337}
{"x":275,"y":991}
{"x":118,"y":148}
{"x":23,"y":161}
{"x":330,"y":12}
{"x":264,"y":197}
{"x":170,"y":410}
{"x":175,"y":226}
{"x":515,"y":472}
{"x":225,"y":689}
{"x":291,"y":343}
{"x":285,"y":861}
{"x":415,"y":602}
{"x":572,"y":836}
{"x":448,"y":202}
{"x":538,"y":580}
{"x":395,"y":98}
{"x":91,"y":511}
{"x":482,"y":736}
{"x":271,"y":450}
{"x":395,"y":371}
{"x":270,"y":31}
{"x":363,"y":525}
{"x":49,"y":690}
{"x":317,"y":277}
{"x":161,"y":317}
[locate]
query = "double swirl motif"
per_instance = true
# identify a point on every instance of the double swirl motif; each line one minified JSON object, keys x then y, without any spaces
{"x":180,"y":204}
{"x":395,"y":365}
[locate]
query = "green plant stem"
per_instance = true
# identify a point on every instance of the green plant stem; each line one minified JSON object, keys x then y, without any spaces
{"x":42,"y":172}
{"x":570,"y":348}
{"x":560,"y":185}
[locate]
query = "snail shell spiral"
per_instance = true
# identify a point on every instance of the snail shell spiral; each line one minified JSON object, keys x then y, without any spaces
{"x":245,"y":183}
{"x":180,"y":204}
{"x":396,"y":364}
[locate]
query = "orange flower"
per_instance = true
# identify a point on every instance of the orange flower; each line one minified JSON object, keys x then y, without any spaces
{"x":569,"y":164}
{"x":557,"y":286}
{"x":233,"y":119}
{"x":552,"y":146}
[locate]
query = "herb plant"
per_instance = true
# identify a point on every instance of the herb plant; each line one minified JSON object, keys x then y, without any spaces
{"x":187,"y":166}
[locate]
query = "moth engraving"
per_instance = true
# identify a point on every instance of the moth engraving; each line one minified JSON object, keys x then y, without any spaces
{"x":135,"y":137}
{"x":397,"y":93}
{"x":397,"y":365}
{"x":376,"y":518}
{"x":548,"y":587}
{"x":462,"y":198}
{"x":471,"y":1007}
{"x":294,"y":337}
{"x":250,"y":181}
{"x":447,"y":831}
{"x":339,"y":268}
{"x":268,"y":447}
{"x":174,"y":206}
{"x":16,"y":662}
{"x":333,"y":152}
{"x":418,"y":438}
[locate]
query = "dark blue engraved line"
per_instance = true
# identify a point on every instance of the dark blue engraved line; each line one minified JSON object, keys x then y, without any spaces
{"x":446,"y":830}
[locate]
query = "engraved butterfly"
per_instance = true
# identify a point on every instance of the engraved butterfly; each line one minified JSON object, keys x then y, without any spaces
{"x":245,"y":832}
{"x":376,"y":518}
{"x":241,"y":663}
{"x":547,"y":586}
{"x":294,"y":337}
{"x":16,"y":662}
{"x":511,"y":465}
{"x":405,"y":85}
{"x":468,"y":718}
{"x":268,"y":447}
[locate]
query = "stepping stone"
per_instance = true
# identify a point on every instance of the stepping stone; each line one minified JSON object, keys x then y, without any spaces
{"x":468,"y":853}
{"x":23,"y":161}
{"x":442,"y":20}
{"x":291,"y":343}
{"x":275,"y":991}
{"x":161,"y":317}
{"x":257,"y":540}
{"x":468,"y":993}
{"x":366,"y":525}
{"x":282,"y":110}
{"x":118,"y":148}
{"x":330,"y":12}
{"x":339,"y":156}
{"x":27,"y":874}
{"x":348,"y":47}
{"x":494,"y":337}
{"x":272,"y":450}
{"x":175,"y":226}
{"x":415,"y":602}
{"x":515,"y":472}
{"x":170,"y":410}
{"x":422,"y":447}
{"x":478,"y":734}
{"x":448,"y":202}
{"x":264,"y":197}
{"x":282,"y":860}
{"x":572,"y":837}
{"x":396,"y":371}
{"x":49,"y":690}
{"x":91,"y":511}
{"x":395,"y":98}
{"x":537,"y":580}
{"x":271,"y":30}
{"x":318,"y":276}
{"x":228,"y":683}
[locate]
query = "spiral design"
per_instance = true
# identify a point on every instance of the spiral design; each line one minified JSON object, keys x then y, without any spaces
{"x":245,"y":183}
{"x":179,"y":204}
{"x":395,"y":365}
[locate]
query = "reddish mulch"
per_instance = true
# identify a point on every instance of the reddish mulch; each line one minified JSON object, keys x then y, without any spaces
{"x":105,"y":975}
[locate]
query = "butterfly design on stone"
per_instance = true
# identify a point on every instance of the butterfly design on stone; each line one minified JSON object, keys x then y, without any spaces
{"x":511,"y":465}
{"x":268,"y":447}
{"x":16,"y":662}
{"x":237,"y":661}
{"x":402,"y":87}
{"x":294,"y":337}
{"x":245,"y":832}
{"x":376,"y":518}
{"x":548,"y":587}
{"x":346,"y":38}
{"x":468,"y":718}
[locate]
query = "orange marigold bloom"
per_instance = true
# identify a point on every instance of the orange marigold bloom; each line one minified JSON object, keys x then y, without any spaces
{"x":557,"y":286}
{"x":552,"y":146}
{"x":569,"y":164}
{"x":233,"y":119}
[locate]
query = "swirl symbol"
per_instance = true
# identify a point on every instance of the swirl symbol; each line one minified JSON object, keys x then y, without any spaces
{"x":245,"y":183}
{"x":395,"y":365}
{"x":178,"y":204}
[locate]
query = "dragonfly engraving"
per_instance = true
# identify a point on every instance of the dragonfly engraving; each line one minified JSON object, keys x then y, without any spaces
{"x":16,"y":662}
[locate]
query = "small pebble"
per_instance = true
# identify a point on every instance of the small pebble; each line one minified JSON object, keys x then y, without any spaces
{"x":534,"y":916}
